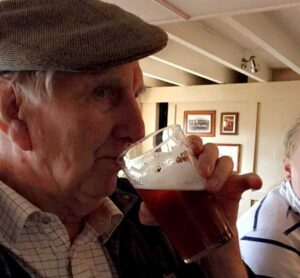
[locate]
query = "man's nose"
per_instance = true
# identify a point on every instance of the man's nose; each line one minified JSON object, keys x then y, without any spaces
{"x":130,"y":127}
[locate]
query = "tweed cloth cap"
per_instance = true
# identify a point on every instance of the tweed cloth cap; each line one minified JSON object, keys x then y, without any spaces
{"x":70,"y":35}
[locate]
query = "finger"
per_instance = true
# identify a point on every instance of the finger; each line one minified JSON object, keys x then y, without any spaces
{"x":220,"y":175}
{"x":195,"y":143}
{"x":244,"y":182}
{"x":146,"y":218}
{"x":237,"y":184}
{"x":207,"y":160}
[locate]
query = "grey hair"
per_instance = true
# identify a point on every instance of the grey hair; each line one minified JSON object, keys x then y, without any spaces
{"x":290,"y":138}
{"x":34,"y":85}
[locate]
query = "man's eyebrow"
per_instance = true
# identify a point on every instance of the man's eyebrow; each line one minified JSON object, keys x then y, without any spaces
{"x":109,"y":80}
{"x":105,"y":77}
{"x":115,"y":81}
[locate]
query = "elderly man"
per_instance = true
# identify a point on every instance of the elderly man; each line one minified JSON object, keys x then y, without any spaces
{"x":68,"y":87}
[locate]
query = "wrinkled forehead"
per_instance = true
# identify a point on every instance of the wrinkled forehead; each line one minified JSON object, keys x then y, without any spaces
{"x":115,"y":73}
{"x":129,"y":74}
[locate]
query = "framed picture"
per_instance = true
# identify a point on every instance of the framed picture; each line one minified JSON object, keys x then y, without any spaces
{"x":229,"y":123}
{"x":201,"y":123}
{"x":232,"y":150}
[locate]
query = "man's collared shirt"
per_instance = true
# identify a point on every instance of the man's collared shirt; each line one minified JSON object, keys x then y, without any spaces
{"x":41,"y":244}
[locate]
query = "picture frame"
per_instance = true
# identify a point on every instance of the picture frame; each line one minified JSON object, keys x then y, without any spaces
{"x":232,"y":150}
{"x":200,"y":122}
{"x":229,"y":123}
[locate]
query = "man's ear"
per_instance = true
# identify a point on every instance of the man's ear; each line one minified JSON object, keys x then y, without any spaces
{"x":10,"y":124}
{"x":287,"y":169}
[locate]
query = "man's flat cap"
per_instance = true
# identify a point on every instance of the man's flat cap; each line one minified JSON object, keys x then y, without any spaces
{"x":71,"y":35}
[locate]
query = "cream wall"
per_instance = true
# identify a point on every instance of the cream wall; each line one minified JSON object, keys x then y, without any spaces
{"x":266,"y":109}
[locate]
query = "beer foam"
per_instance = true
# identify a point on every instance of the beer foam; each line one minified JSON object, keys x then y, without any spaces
{"x":178,"y":176}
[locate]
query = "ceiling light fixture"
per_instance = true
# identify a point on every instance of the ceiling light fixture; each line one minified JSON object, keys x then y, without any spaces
{"x":254,"y":67}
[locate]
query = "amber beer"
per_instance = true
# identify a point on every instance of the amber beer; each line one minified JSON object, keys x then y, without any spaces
{"x":190,"y":219}
{"x":162,"y":168}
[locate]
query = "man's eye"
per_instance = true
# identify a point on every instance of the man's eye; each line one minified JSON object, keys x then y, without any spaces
{"x":107,"y":98}
{"x":101,"y":92}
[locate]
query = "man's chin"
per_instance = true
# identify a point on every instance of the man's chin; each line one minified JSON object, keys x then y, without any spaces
{"x":108,"y":187}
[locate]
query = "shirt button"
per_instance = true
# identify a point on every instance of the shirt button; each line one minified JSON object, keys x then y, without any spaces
{"x":125,"y":197}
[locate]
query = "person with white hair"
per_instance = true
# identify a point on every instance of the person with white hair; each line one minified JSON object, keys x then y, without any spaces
{"x":69,"y":83}
{"x":270,"y":231}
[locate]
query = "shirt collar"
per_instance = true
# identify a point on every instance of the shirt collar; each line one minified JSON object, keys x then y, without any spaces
{"x":105,"y":219}
{"x":287,"y":191}
{"x":14,"y":212}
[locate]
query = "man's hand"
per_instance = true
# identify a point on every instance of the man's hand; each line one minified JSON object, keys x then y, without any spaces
{"x":228,"y":188}
{"x":227,"y":185}
{"x":220,"y":179}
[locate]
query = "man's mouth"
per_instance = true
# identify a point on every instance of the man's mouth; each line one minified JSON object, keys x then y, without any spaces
{"x":111,"y":162}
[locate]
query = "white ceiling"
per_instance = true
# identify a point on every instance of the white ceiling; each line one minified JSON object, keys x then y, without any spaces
{"x":209,"y":38}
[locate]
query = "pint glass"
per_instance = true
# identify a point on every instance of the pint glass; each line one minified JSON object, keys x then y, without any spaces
{"x":162,"y":169}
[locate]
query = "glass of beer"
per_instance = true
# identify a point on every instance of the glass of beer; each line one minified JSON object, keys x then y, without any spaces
{"x":161,"y":167}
